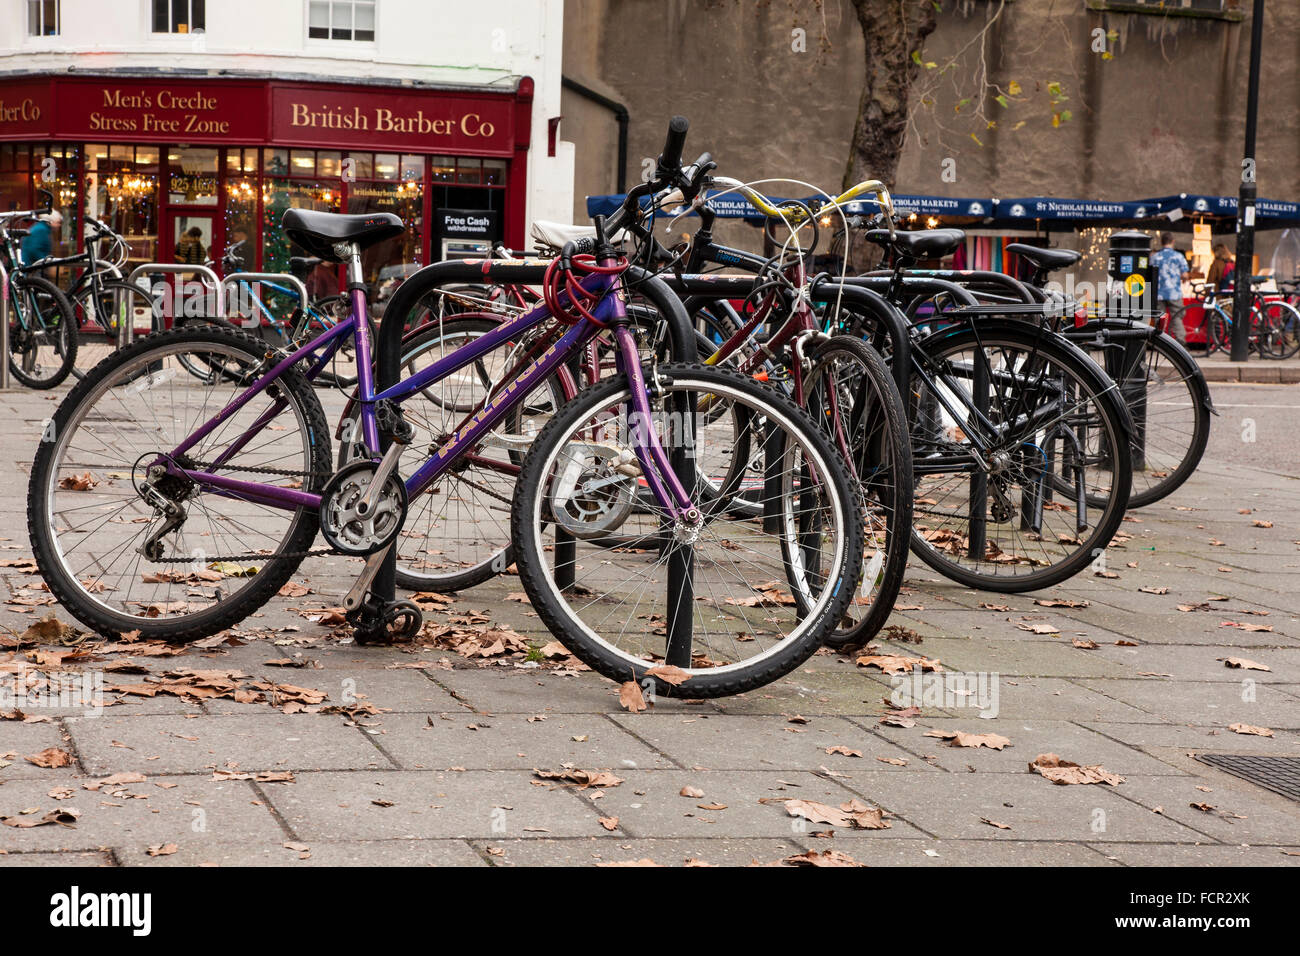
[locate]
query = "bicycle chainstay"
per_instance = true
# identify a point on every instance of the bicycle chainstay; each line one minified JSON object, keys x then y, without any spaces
{"x":250,"y":556}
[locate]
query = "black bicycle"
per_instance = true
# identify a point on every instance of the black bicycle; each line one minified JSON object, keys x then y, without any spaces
{"x":42,"y":330}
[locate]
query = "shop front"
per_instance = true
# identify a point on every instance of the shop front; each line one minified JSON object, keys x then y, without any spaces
{"x":188,"y":169}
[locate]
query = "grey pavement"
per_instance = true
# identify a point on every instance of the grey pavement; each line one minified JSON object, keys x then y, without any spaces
{"x":442,"y":772}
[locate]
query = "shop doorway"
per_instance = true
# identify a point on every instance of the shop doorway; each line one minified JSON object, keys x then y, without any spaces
{"x":193,"y":236}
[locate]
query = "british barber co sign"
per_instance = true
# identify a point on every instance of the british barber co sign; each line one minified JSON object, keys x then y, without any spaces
{"x":389,"y":119}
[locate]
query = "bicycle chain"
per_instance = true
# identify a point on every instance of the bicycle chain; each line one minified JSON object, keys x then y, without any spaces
{"x":259,"y":470}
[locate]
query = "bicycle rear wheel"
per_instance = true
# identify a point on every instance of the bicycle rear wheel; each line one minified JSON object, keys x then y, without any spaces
{"x":100,"y":315}
{"x":1168,"y":401}
{"x":1021,"y":514}
{"x":42,"y":332}
{"x":125,"y":548}
{"x":631,"y":592}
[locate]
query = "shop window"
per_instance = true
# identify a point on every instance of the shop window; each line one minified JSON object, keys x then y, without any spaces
{"x":192,"y":176}
{"x":281,"y":195}
{"x":443,"y":169}
{"x":413,"y":168}
{"x":302,"y":162}
{"x":400,"y":256}
{"x":121,"y":190}
{"x":329,"y":164}
{"x":42,"y":18}
{"x":54,"y":168}
{"x":360,"y":166}
{"x":178,"y":16}
{"x":494,"y":172}
{"x":469,"y":170}
{"x":386,"y":166}
{"x":341,"y":20}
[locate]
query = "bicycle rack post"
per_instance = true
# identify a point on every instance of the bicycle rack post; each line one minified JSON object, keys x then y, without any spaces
{"x":979,"y":481}
{"x":4,"y":327}
{"x":1126,"y":366}
{"x":289,"y":279}
{"x":126,"y":332}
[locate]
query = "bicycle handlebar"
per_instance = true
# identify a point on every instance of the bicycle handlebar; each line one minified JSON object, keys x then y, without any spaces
{"x":670,"y":160}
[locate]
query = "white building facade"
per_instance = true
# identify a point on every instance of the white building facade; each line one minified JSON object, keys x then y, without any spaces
{"x":164,"y":116}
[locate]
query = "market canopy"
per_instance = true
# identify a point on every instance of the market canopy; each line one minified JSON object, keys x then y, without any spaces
{"x":1270,"y":213}
{"x":1027,"y":212}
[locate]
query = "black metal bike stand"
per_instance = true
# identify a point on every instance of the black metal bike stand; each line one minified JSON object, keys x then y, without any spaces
{"x":387,"y":359}
{"x":979,"y":482}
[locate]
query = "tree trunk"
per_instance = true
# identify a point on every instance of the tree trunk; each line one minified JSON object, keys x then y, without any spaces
{"x":892,"y":29}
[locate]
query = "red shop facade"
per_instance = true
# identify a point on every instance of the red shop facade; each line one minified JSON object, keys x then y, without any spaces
{"x":177,"y":163}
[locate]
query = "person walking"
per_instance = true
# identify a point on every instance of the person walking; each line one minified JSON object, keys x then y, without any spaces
{"x":1171,"y":270}
{"x":39,"y":241}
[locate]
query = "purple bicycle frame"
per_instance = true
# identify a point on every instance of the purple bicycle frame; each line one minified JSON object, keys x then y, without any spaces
{"x":654,"y":460}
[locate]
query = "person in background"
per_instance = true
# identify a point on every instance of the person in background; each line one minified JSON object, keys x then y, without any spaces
{"x":1221,"y":269}
{"x":240,"y":248}
{"x":190,"y":249}
{"x":1171,"y":270}
{"x":39,"y":241}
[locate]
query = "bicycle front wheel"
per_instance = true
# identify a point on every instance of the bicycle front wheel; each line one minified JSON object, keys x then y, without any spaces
{"x":852,"y":396}
{"x":705,"y":609}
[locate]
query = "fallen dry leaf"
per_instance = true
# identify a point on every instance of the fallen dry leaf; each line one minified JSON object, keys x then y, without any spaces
{"x":1250,"y":729}
{"x":853,"y":813}
{"x":1066,"y":772}
{"x":583,"y":778}
{"x":896,"y":664}
{"x":630,"y":697}
{"x":1244,"y":664}
{"x":162,"y":849}
{"x":50,"y":757}
{"x":959,"y":739}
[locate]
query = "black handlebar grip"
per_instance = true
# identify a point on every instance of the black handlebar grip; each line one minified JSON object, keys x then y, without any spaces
{"x":671,"y":158}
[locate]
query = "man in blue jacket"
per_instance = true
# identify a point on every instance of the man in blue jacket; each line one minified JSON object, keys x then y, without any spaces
{"x":39,"y":241}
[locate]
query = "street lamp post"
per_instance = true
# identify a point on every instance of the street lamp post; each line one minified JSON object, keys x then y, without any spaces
{"x":1246,"y":199}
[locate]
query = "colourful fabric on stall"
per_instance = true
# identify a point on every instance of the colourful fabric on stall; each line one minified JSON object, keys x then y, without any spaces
{"x":959,"y":257}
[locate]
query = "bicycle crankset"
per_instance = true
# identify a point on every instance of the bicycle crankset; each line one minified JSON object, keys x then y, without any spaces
{"x":357,"y":518}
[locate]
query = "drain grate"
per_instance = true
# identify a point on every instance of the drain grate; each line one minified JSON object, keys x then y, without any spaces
{"x":1279,"y":774}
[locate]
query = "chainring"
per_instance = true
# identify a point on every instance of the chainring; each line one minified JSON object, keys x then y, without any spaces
{"x":348,"y":522}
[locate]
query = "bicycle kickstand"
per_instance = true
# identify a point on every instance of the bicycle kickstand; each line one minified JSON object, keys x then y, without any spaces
{"x":375,"y":621}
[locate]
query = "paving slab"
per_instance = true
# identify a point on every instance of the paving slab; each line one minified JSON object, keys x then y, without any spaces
{"x":620,"y":851}
{"x":1029,"y":738}
{"x":734,"y":742}
{"x":1031,"y":806}
{"x":650,"y":803}
{"x":195,"y":812}
{"x":253,"y":742}
{"x":1181,"y":855}
{"x":513,"y":741}
{"x":370,"y":853}
{"x":1205,"y":702}
{"x":431,"y":805}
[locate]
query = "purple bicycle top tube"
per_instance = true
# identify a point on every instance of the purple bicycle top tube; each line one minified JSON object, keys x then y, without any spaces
{"x":242,"y":399}
{"x":468,"y":435}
